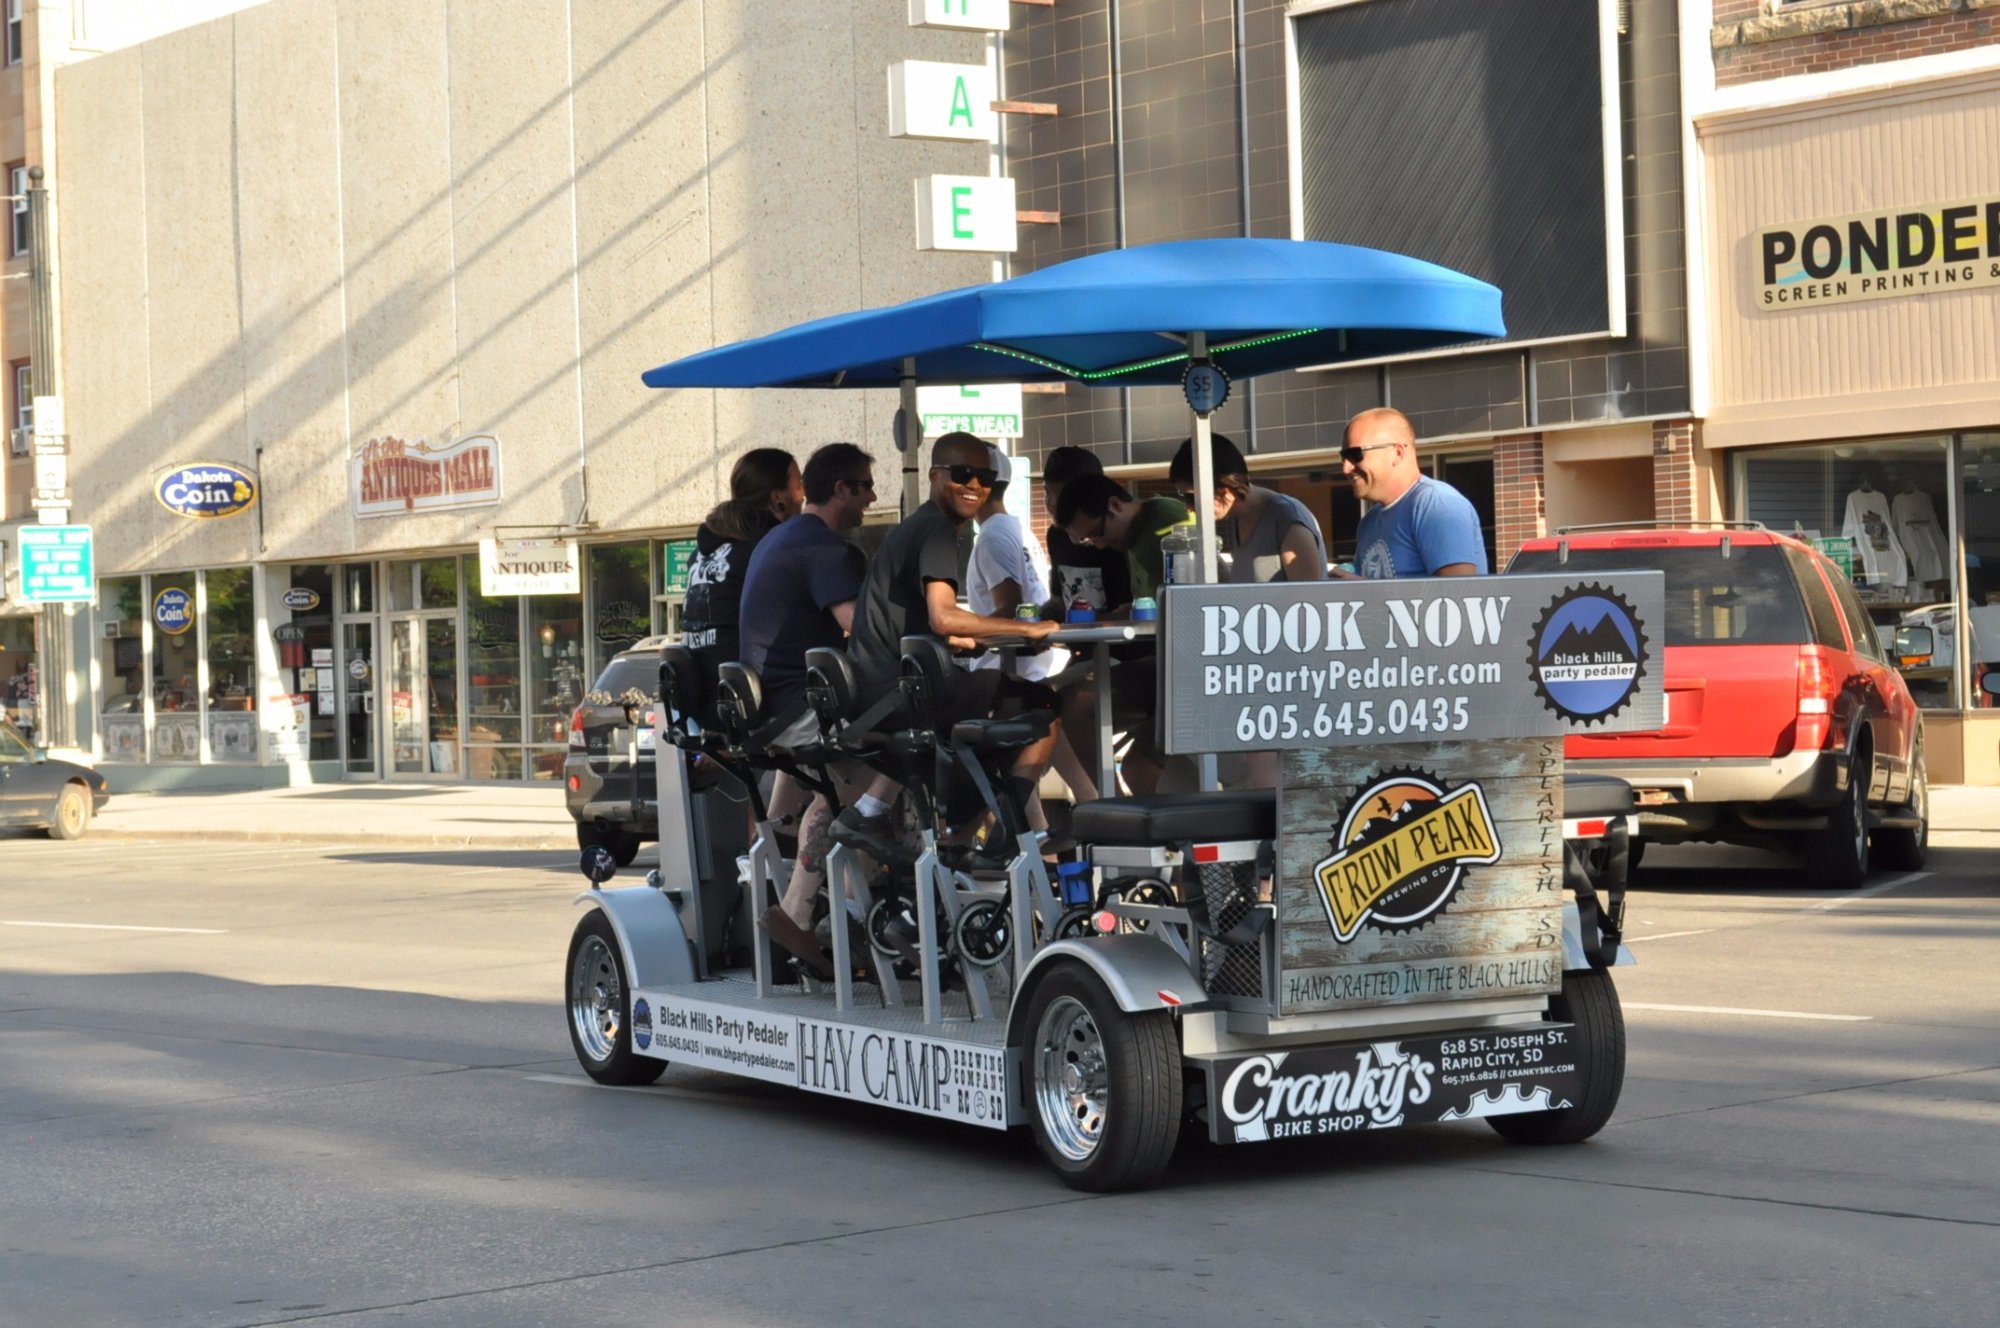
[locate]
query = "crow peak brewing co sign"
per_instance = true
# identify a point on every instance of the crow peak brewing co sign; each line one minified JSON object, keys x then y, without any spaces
{"x":1878,"y":255}
{"x":1358,"y":663}
{"x":206,"y":489}
{"x":529,"y":567}
{"x":392,"y":476}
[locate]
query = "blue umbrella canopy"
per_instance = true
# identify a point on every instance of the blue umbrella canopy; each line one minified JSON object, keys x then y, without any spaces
{"x":1119,"y":319}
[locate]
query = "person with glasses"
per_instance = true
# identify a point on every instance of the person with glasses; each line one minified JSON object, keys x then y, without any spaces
{"x":1271,"y":536}
{"x":911,"y":589}
{"x":1413,"y":525}
{"x":1096,"y":577}
{"x":1098,"y":511}
{"x":799,"y":594}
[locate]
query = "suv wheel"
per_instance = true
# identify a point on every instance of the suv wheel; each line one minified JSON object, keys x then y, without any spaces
{"x":1904,"y":848}
{"x":1838,"y":857}
{"x":623,"y":845}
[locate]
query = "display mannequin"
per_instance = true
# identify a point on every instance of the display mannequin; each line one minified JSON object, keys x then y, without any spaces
{"x":1869,"y":524}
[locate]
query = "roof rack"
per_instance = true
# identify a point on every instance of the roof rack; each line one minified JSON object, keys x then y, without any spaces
{"x":1664,"y":525}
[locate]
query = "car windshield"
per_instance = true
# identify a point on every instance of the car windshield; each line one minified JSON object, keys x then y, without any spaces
{"x":625,"y":676}
{"x":13,"y":746}
{"x":1748,"y":598}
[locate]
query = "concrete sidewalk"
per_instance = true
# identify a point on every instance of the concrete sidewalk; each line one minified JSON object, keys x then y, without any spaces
{"x":522,"y":816}
{"x":532,"y":816}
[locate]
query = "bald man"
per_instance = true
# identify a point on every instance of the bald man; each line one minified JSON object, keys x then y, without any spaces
{"x":1414,"y":525}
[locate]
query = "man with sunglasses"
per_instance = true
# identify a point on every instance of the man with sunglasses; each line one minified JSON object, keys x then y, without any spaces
{"x":1414,"y":525}
{"x":911,"y":589}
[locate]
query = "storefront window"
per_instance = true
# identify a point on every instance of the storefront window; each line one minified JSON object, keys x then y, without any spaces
{"x":20,"y":673}
{"x":555,"y":678}
{"x":1880,"y":510}
{"x":620,"y":598}
{"x":493,"y":680}
{"x":230,"y":625}
{"x":302,"y":625}
{"x":176,"y":680}
{"x":1979,"y":517}
{"x":437,"y":583}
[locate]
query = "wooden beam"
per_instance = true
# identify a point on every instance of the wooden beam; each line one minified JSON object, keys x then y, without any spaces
{"x":1026,"y":108}
{"x":1039,"y":218}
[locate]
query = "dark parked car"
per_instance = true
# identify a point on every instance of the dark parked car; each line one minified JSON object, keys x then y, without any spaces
{"x":1788,"y":724}
{"x":38,"y":790}
{"x":608,"y":773}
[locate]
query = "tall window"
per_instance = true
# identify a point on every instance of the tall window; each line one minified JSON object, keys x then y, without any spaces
{"x":23,"y":405}
{"x":17,"y":189}
{"x":13,"y":32}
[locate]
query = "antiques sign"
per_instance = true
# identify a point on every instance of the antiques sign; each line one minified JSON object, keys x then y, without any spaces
{"x":529,"y":567}
{"x":1345,"y":663}
{"x":392,"y":477}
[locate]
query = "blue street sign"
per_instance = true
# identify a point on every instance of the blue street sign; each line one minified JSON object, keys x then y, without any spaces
{"x":56,"y":564}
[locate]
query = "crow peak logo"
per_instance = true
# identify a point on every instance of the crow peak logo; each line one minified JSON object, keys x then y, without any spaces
{"x":1587,"y":654}
{"x":1400,"y":853}
{"x":1259,"y":1100}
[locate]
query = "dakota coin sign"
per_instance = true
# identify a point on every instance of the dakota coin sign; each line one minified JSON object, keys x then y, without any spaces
{"x":529,"y":567}
{"x":206,"y":489}
{"x":392,"y":476}
{"x":173,"y":611}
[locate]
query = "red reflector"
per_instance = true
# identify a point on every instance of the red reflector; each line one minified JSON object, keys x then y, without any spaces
{"x":1105,"y":921}
{"x":1208,"y":852}
{"x":1592,"y":829}
{"x":574,"y":783}
{"x":1168,"y":997}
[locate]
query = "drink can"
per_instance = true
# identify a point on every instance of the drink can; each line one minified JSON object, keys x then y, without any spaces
{"x":1028,"y":613}
{"x":1081,"y":612}
{"x":1144,"y":609}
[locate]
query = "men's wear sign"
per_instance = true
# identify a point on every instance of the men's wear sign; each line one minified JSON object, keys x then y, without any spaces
{"x":391,"y":476}
{"x":1499,"y":1071}
{"x":958,"y":1081}
{"x":56,"y":564}
{"x":991,"y":410}
{"x":529,"y":567}
{"x":1349,"y":663}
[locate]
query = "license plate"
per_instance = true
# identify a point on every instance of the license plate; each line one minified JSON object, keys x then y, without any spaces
{"x":645,"y":740}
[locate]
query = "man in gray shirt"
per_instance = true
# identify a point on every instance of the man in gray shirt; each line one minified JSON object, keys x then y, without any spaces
{"x":1272,"y":536}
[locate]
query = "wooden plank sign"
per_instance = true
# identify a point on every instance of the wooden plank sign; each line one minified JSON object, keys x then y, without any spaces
{"x":1412,"y":873}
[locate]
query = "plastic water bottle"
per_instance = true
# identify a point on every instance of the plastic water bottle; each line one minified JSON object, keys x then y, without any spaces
{"x":1179,"y":556}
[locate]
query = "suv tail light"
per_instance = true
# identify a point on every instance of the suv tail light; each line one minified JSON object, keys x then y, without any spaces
{"x":1816,"y":692}
{"x":576,"y":739}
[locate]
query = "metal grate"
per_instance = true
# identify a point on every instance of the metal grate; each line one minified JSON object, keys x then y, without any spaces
{"x":1229,"y":889}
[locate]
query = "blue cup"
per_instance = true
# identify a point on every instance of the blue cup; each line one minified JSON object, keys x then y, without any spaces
{"x":1074,"y":883}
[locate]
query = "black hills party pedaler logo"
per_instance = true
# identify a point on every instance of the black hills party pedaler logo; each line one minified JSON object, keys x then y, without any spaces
{"x":1400,"y":853}
{"x":1587,"y":654}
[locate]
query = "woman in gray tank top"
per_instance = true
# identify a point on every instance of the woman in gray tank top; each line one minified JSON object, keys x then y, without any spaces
{"x":1273,"y":536}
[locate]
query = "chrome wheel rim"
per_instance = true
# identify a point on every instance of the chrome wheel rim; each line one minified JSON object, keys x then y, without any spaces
{"x":1072,"y":1080}
{"x":596,"y":998}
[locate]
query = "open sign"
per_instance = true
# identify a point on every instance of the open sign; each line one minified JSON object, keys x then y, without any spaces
{"x":208,"y":489}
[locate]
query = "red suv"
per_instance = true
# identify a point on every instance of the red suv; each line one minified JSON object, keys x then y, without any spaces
{"x":1787,"y":726}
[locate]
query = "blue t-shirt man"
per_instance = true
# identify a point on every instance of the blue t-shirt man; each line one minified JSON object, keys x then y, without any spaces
{"x":1431,"y":526}
{"x":799,"y":572}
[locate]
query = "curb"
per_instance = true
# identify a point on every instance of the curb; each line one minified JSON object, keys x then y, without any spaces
{"x":543,"y":843}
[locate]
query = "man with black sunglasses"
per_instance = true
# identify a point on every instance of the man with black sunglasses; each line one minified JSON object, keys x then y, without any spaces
{"x":911,"y":589}
{"x":1414,"y":525}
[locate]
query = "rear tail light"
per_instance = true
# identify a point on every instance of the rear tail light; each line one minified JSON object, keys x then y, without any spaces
{"x":1815,"y":708}
{"x":576,"y":740}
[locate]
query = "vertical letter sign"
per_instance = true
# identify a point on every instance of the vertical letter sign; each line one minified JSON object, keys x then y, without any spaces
{"x":931,"y":100}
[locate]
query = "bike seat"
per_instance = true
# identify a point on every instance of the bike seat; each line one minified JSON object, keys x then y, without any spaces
{"x":831,"y":688}
{"x":1175,"y":818}
{"x":926,"y":675}
{"x":992,"y":735}
{"x":1596,"y":795}
{"x":739,"y":702}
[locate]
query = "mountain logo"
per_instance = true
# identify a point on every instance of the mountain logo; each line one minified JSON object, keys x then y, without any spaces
{"x":1587,"y":654}
{"x":1401,"y":850}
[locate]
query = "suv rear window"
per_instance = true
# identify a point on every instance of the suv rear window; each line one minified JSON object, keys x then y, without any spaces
{"x":1748,"y":598}
{"x":630,"y":673}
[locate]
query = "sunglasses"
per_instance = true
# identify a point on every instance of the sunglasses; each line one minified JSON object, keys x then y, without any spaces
{"x":1353,"y":455}
{"x":960,"y":473}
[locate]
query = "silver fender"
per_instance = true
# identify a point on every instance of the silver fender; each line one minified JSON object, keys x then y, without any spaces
{"x":1573,"y":956}
{"x":650,"y":937}
{"x":1135,"y":967}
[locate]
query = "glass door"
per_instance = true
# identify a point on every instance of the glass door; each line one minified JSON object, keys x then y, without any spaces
{"x":409,"y":699}
{"x":356,"y":682}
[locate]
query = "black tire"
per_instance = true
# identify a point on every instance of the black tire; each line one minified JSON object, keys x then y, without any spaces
{"x":1590,"y":1002}
{"x":623,"y":845}
{"x":598,"y":997}
{"x":1897,"y":848}
{"x":1104,"y":1086}
{"x":1838,"y":856}
{"x":72,"y":816}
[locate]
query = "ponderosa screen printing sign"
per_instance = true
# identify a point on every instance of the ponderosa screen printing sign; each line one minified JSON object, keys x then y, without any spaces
{"x":392,"y":476}
{"x":1878,"y":255}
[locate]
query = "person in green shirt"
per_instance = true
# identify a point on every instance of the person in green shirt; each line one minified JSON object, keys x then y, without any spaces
{"x":1097,"y":510}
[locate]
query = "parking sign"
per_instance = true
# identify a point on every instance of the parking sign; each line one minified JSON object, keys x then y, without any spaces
{"x":56,"y":564}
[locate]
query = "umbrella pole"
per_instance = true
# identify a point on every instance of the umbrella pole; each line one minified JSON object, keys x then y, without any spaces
{"x":1204,"y":517}
{"x":911,"y":460}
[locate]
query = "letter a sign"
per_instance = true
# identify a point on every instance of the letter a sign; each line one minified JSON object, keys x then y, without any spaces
{"x":930,"y":100}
